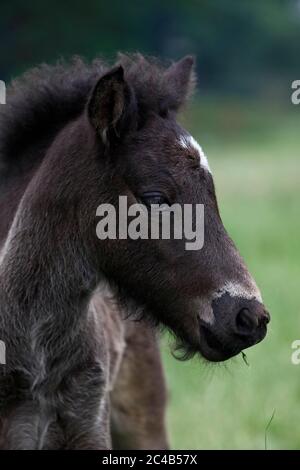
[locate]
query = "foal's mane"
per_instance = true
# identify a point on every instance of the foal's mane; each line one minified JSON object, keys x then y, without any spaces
{"x":46,"y":98}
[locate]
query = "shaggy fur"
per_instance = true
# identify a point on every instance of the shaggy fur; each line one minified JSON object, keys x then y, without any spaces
{"x":46,"y":98}
{"x":71,"y":138}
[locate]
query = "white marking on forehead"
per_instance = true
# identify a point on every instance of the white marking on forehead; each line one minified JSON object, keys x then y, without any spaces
{"x":187,"y":141}
{"x":238,"y":290}
{"x":16,"y":224}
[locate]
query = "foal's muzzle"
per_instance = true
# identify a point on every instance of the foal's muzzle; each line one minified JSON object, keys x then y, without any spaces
{"x":238,"y":324}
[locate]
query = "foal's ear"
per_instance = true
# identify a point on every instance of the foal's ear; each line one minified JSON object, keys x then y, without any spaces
{"x":181,"y":80}
{"x":112,"y":106}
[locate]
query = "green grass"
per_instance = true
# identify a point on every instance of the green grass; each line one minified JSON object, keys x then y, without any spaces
{"x":255,"y":161}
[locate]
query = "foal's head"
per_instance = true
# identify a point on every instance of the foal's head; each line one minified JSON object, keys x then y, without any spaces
{"x":207,"y":296}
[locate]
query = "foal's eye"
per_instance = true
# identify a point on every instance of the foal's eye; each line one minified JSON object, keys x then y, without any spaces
{"x":154,"y":198}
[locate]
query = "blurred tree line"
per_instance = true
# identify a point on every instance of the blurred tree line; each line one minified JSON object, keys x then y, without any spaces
{"x":244,"y":46}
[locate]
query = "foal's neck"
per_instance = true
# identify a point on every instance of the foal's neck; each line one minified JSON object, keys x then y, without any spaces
{"x":48,"y":265}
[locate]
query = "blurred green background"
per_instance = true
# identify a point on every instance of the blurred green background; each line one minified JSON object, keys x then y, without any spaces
{"x":247,"y":57}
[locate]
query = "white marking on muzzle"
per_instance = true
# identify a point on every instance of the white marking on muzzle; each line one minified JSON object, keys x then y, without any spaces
{"x":234,"y":289}
{"x":187,"y":141}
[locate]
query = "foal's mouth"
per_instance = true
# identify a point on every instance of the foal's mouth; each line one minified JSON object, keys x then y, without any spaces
{"x":216,"y":348}
{"x":213,"y":349}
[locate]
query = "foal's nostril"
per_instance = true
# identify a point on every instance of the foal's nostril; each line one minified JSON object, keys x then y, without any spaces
{"x":265,"y":319}
{"x":239,"y":323}
{"x":246,"y":322}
